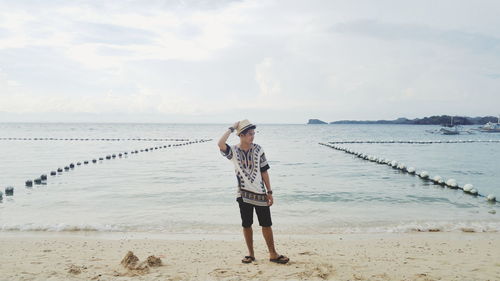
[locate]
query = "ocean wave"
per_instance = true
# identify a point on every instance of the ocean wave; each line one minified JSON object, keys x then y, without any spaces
{"x":423,"y":227}
{"x":407,"y":227}
{"x":62,"y":227}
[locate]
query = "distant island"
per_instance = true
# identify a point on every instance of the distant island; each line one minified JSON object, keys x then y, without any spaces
{"x":316,"y":121}
{"x":432,"y":120}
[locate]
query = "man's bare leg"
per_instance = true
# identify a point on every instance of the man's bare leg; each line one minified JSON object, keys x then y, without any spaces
{"x":267,"y":232}
{"x":248,"y":233}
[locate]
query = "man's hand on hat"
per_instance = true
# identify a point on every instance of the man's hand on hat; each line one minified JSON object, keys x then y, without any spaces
{"x":235,"y":125}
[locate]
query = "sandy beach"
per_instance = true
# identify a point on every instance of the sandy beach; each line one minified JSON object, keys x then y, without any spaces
{"x":403,"y":256}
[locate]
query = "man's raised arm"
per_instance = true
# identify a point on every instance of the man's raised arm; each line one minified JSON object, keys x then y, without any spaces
{"x":225,"y":136}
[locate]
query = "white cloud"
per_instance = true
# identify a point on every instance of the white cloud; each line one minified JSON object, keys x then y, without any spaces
{"x":330,"y":59}
{"x":266,"y":78}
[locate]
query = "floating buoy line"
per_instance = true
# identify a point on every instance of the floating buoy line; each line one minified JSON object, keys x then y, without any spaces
{"x":413,"y":142}
{"x":93,"y":139}
{"x":424,"y":175}
{"x":42,"y":180}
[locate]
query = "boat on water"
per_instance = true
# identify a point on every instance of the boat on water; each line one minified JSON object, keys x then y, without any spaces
{"x":452,"y":130}
{"x":491,"y":127}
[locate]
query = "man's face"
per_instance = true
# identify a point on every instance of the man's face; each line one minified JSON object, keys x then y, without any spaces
{"x":248,"y":137}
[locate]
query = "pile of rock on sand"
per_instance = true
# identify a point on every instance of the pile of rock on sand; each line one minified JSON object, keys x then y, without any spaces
{"x":135,"y":267}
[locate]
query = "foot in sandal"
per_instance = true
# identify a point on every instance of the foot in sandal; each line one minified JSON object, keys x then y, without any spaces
{"x":248,"y":259}
{"x":280,"y":259}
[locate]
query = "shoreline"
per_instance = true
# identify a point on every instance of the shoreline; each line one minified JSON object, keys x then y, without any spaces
{"x":371,"y":256}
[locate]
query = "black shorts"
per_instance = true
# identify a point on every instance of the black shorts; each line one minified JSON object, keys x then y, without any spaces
{"x":246,"y":211}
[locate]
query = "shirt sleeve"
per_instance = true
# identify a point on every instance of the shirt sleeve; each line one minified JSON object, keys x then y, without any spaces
{"x":264,"y":166}
{"x":228,"y":153}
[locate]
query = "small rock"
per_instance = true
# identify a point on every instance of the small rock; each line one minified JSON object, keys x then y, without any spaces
{"x":130,"y":260}
{"x":73,"y":269}
{"x":153,"y":261}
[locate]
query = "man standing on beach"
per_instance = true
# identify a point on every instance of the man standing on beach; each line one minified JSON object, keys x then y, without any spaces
{"x":254,"y":187}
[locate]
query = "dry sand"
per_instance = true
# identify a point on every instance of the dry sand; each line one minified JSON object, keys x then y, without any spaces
{"x":408,"y":256}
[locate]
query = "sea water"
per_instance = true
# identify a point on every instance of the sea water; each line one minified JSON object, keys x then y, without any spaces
{"x":191,"y":189}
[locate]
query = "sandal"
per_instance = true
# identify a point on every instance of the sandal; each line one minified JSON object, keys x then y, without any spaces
{"x":280,"y":259}
{"x":248,"y":259}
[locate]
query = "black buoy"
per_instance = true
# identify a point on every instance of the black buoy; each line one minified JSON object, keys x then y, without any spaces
{"x":29,"y":183}
{"x":71,"y":165}
{"x":125,"y":153}
{"x":78,"y":164}
{"x":100,"y":158}
{"x":53,"y":173}
{"x":43,"y":177}
{"x":59,"y":170}
{"x":119,"y":155}
{"x":114,"y":155}
{"x":38,"y":181}
{"x":66,"y":168}
{"x":85,"y":162}
{"x":94,"y":160}
{"x":147,"y":149}
{"x":1,"y":196}
{"x":108,"y":157}
{"x":9,"y":191}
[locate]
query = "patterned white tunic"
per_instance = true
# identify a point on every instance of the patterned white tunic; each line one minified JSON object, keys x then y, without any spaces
{"x":248,"y":166}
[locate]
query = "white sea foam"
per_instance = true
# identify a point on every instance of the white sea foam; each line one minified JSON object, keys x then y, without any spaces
{"x":61,"y":227}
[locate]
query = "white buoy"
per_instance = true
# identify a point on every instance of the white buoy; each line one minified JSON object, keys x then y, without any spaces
{"x":436,"y":179}
{"x":394,"y":163}
{"x":452,"y":183}
{"x":424,"y":175}
{"x":491,"y":198}
{"x":473,"y":191}
{"x":411,"y":170}
{"x":468,"y":187}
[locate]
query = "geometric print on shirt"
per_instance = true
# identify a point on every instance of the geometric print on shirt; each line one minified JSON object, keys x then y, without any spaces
{"x":249,"y":161}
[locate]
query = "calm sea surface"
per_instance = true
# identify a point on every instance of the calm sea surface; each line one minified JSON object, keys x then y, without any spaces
{"x":191,"y":188}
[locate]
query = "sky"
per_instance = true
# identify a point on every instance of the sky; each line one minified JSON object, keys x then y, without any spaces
{"x":201,"y":61}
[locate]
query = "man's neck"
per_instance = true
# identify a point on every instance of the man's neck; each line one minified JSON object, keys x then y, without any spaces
{"x":244,"y":146}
